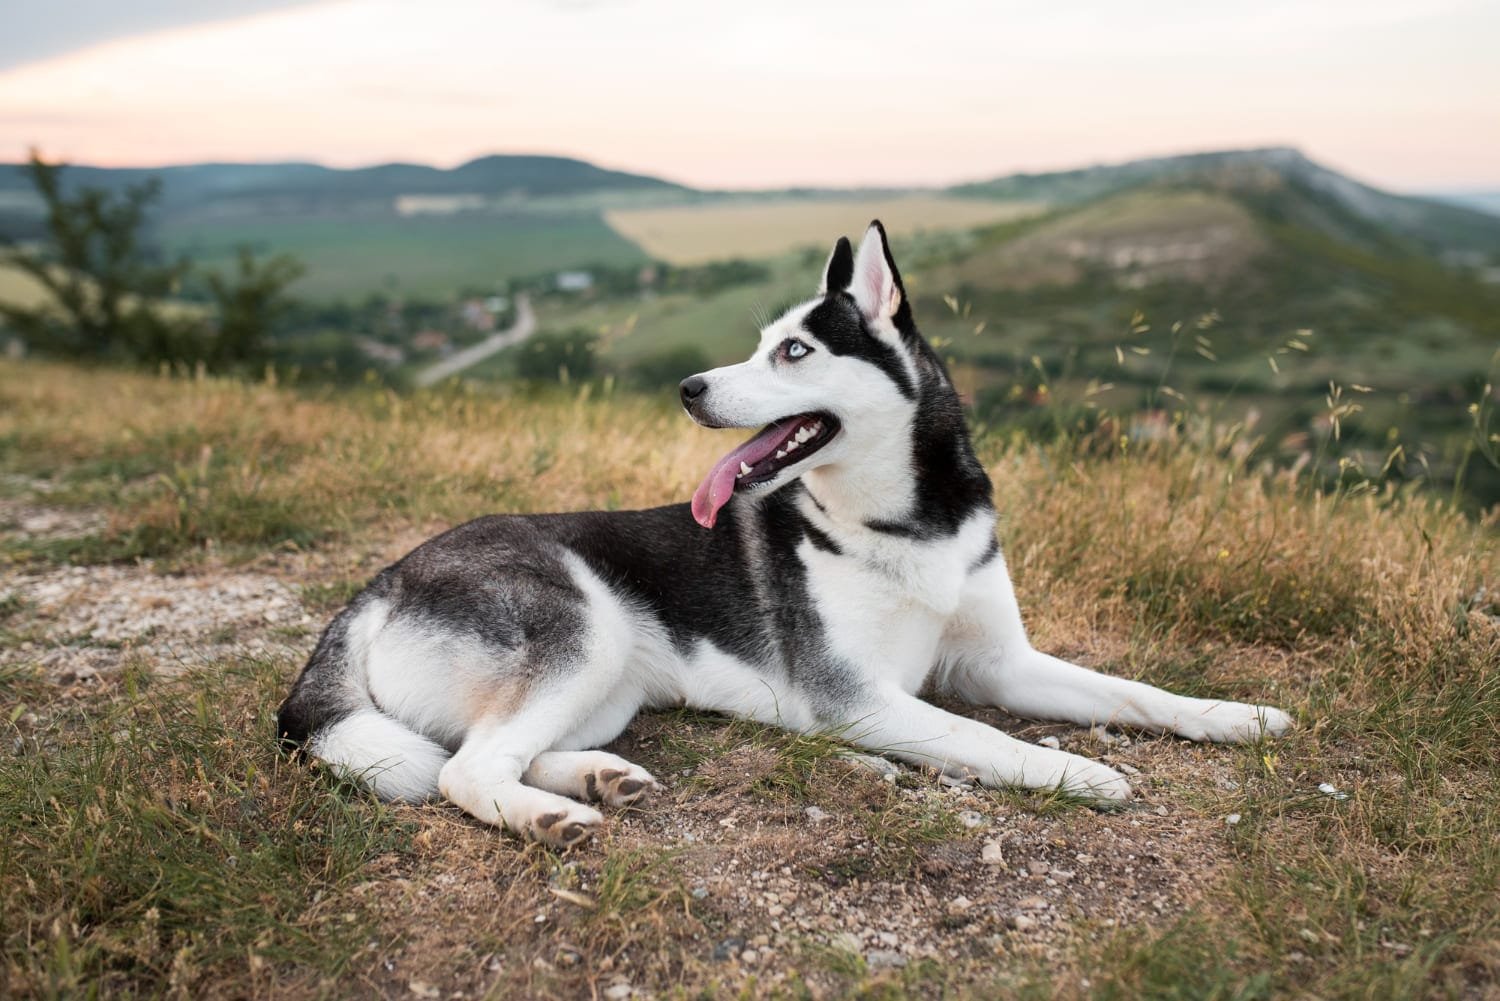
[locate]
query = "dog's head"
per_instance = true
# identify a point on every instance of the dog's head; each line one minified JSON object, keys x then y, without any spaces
{"x":829,"y":377}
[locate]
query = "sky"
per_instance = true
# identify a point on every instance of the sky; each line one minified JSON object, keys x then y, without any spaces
{"x":1401,"y":93}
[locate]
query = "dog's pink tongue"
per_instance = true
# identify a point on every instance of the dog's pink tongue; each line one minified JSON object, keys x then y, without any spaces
{"x":718,"y":486}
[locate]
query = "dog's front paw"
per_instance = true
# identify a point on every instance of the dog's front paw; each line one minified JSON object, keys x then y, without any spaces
{"x":1091,"y":780}
{"x":1236,"y":723}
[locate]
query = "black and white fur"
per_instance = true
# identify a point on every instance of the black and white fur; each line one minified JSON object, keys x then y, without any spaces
{"x":835,"y":584}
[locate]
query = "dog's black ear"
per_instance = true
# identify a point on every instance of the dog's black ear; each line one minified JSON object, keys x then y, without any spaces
{"x":876,"y":284}
{"x":839,"y":270}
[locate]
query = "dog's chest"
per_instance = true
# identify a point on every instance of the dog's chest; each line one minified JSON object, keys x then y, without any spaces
{"x":884,"y":605}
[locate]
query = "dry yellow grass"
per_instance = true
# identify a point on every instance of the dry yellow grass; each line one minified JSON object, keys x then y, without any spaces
{"x":695,"y":234}
{"x":1372,"y":616}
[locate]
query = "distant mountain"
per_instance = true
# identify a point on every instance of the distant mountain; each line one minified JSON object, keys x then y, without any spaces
{"x":1284,"y":183}
{"x":240,"y":188}
{"x":1484,"y":201}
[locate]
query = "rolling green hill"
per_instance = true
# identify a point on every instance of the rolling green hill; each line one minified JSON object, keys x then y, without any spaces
{"x":1227,"y":283}
{"x":1438,"y":227}
{"x":220,"y":189}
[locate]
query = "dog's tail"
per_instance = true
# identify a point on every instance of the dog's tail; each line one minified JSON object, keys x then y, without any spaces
{"x":329,"y":715}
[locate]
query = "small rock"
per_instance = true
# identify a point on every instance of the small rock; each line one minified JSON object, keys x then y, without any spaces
{"x":959,"y":904}
{"x":1038,"y":868}
{"x":873,"y":762}
{"x":1329,"y":789}
{"x":1021,"y":922}
{"x":1103,"y":736}
{"x":971,"y":819}
{"x":699,"y":892}
{"x":882,"y":958}
{"x":1032,"y":903}
{"x":749,"y":957}
{"x":1232,"y":819}
{"x":1051,"y":742}
{"x":816,"y":815}
{"x":1127,"y":769}
{"x":618,"y":992}
{"x":422,"y":990}
{"x":1161,"y":811}
{"x":729,"y":948}
{"x":991,"y":853}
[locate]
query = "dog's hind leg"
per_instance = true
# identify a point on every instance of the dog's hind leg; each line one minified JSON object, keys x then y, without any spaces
{"x":572,"y":666}
{"x":484,"y":780}
{"x":595,"y":776}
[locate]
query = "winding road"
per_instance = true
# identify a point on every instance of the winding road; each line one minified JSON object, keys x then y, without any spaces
{"x":455,"y":363}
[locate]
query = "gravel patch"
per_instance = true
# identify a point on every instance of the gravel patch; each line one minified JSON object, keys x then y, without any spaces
{"x":75,"y":622}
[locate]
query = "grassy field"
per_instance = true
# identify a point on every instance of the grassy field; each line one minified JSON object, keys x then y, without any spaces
{"x":172,"y":547}
{"x":694,"y":234}
{"x":19,"y":289}
{"x":422,"y":255}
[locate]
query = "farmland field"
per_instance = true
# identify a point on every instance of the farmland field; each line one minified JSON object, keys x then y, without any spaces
{"x":693,"y":234}
{"x":430,"y":255}
{"x":19,"y":289}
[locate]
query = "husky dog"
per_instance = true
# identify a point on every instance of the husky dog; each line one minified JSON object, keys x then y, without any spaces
{"x":827,"y":570}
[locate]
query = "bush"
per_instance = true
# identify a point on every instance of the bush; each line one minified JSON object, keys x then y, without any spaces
{"x":668,"y":366}
{"x":558,"y":357}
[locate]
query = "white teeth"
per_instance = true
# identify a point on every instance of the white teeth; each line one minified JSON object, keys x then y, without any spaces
{"x":744,"y":469}
{"x":781,"y":454}
{"x":804,"y":433}
{"x":792,"y":446}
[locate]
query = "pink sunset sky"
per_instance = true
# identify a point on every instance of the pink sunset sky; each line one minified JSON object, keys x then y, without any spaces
{"x":1401,"y":93}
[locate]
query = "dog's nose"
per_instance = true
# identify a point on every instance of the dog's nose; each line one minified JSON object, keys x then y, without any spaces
{"x":692,"y":387}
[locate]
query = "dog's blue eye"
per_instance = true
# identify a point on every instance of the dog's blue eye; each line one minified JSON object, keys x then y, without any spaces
{"x":794,"y":349}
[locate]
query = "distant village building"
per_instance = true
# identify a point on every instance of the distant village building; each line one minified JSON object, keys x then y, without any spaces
{"x":497,"y":304}
{"x":412,"y":205}
{"x":574,"y":281}
{"x":380,"y":351}
{"x":430,"y":340}
{"x":476,"y":317}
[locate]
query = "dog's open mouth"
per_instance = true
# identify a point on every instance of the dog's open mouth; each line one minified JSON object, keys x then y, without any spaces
{"x":757,"y":461}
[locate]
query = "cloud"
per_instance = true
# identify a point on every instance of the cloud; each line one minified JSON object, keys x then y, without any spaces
{"x":785,"y":92}
{"x":35,"y":31}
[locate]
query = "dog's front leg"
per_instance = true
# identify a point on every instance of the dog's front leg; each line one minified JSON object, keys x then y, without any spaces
{"x":989,"y":661}
{"x":898,"y":725}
